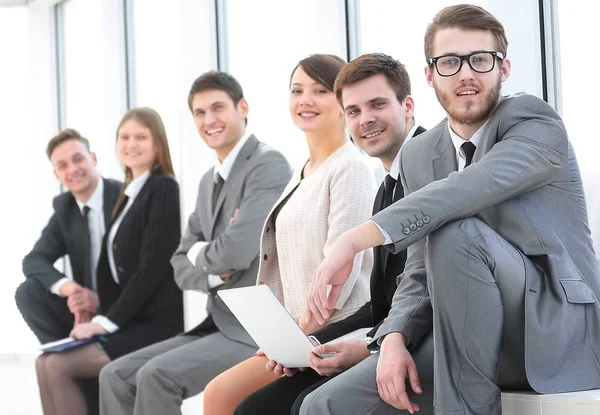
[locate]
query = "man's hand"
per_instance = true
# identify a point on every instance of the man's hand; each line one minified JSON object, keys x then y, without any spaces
{"x":394,"y":367}
{"x":335,"y":269}
{"x":87,"y":330}
{"x":83,"y":300}
{"x":347,"y":354}
{"x":82,"y":317}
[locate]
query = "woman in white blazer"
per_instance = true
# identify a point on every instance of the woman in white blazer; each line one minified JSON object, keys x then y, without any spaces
{"x":330,"y":193}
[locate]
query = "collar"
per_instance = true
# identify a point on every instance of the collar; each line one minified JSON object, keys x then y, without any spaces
{"x":95,"y":202}
{"x":395,"y":170}
{"x":458,"y":141}
{"x":225,"y":168}
{"x":136,"y":185}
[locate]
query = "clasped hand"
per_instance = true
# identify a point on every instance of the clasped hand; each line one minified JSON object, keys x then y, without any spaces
{"x":87,"y":330}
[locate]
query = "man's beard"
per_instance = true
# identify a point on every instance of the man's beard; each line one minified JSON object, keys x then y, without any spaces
{"x":470,"y":114}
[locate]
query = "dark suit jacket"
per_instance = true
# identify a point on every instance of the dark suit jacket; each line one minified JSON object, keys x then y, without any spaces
{"x":143,"y":245}
{"x":63,"y":235}
{"x":387,"y":268}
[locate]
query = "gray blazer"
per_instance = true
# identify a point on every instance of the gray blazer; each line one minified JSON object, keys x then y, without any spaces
{"x":525,"y":184}
{"x":257,"y":179}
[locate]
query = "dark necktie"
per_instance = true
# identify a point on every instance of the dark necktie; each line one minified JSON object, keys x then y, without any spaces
{"x":216,"y":190}
{"x":389,"y":185}
{"x":469,"y":149}
{"x":87,"y":250}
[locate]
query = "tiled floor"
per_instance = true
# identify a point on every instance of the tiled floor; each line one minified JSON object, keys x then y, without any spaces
{"x":19,"y":396}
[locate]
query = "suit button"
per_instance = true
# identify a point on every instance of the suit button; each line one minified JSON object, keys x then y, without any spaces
{"x":419,"y":223}
{"x":413,"y":227}
{"x":120,"y":269}
{"x":265,"y":257}
{"x":204,"y":268}
{"x":426,"y":219}
{"x":405,"y":231}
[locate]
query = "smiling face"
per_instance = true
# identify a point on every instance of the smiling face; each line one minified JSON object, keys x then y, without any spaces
{"x":468,"y":97}
{"x":220,"y":122}
{"x":313,"y":107}
{"x":136,"y":147}
{"x":75,"y":167}
{"x":377,"y":121}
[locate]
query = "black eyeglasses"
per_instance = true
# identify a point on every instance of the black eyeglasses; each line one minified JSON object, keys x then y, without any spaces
{"x":480,"y":62}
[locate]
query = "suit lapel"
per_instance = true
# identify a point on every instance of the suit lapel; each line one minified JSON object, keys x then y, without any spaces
{"x":235,"y":174}
{"x":109,"y":199}
{"x":446,"y":162}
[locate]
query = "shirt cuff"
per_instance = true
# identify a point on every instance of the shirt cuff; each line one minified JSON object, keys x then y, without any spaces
{"x":193,"y":252}
{"x":106,"y":324}
{"x":214,"y":281}
{"x":55,"y":288}
{"x":388,"y":240}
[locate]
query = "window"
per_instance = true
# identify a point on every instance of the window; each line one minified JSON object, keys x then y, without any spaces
{"x":93,"y":62}
{"x":264,"y":51}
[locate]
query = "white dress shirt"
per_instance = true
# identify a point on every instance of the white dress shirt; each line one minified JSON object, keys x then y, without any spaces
{"x":97,"y":228}
{"x":222,"y":169}
{"x":132,"y":190}
{"x":458,"y":141}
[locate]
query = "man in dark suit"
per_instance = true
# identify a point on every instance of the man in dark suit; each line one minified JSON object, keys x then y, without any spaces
{"x":501,"y":284}
{"x":219,"y":250}
{"x":374,"y":91}
{"x":50,"y":302}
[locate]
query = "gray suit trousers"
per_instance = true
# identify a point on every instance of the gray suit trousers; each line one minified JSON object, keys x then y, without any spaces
{"x":476,"y":281}
{"x":155,"y":380}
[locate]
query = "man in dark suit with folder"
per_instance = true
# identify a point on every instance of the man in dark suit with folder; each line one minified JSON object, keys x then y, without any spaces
{"x":50,"y":302}
{"x":374,"y":90}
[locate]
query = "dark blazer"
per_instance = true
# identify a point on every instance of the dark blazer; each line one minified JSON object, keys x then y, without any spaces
{"x":387,"y":268}
{"x":63,"y":235}
{"x":143,"y":245}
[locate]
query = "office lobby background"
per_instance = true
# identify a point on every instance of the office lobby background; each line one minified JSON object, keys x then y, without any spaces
{"x":83,"y":63}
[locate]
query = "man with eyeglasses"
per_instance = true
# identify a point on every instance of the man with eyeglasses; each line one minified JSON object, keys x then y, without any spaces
{"x":501,"y":284}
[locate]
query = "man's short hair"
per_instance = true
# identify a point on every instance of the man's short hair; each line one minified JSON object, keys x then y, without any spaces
{"x":220,"y":81}
{"x":371,"y":64}
{"x":465,"y":17}
{"x":65,"y":135}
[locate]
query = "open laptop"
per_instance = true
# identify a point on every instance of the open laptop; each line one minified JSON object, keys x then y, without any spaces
{"x":269,"y":324}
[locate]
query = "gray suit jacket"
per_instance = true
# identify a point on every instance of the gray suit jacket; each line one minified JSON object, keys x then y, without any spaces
{"x":257,"y":179}
{"x":525,"y":184}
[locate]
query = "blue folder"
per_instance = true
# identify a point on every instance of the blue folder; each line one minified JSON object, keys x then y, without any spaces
{"x":69,"y":343}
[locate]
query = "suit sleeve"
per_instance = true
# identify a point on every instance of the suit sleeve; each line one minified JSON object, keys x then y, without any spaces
{"x":351,"y":193}
{"x":236,"y":248}
{"x":39,"y":263}
{"x":531,"y":151}
{"x":160,"y":239}
{"x":182,"y":267}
